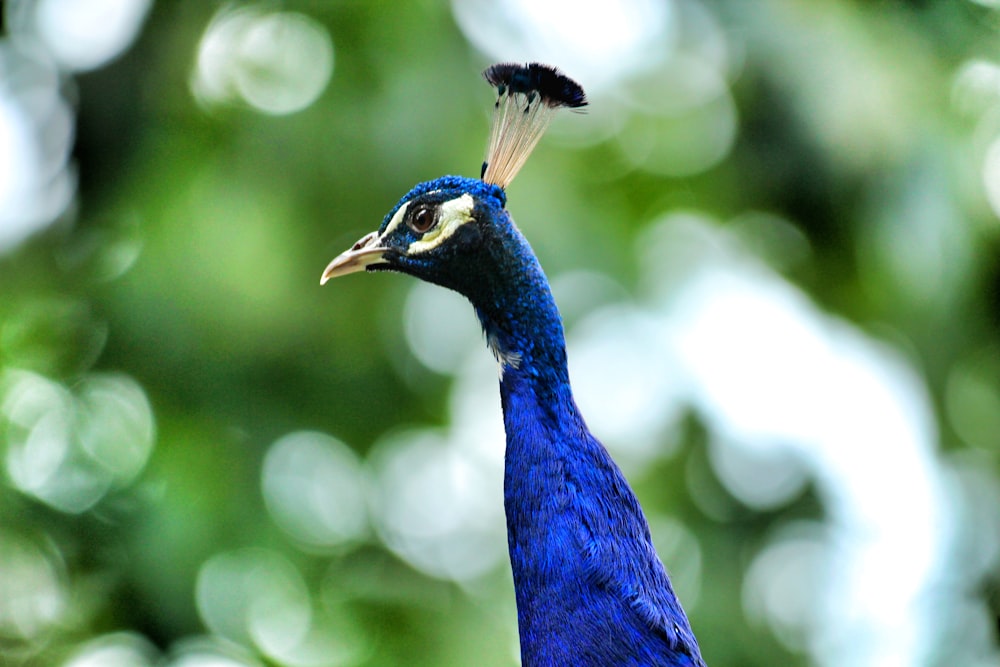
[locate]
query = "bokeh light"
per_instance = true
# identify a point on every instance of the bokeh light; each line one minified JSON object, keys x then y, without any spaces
{"x":785,"y":579}
{"x":85,"y":34}
{"x":36,"y":131}
{"x":976,"y":87}
{"x":210,"y":651}
{"x":476,"y":420}
{"x":991,"y":175}
{"x":440,"y":328}
{"x":684,"y":118}
{"x":255,"y":597}
{"x":69,"y":449}
{"x":610,"y":349}
{"x":972,"y":398}
{"x":277,"y":62}
{"x":33,"y":593}
{"x":121,"y":649}
{"x":315,"y":488}
{"x":677,"y":545}
{"x":759,"y":477}
{"x":37,"y":184}
{"x":975,"y":94}
{"x":434,"y":506}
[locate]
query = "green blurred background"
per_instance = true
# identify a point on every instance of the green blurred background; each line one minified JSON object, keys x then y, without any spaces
{"x":773,"y":235}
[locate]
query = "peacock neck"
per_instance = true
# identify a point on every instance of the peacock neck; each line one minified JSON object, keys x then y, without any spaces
{"x":580,"y":548}
{"x":524,"y":329}
{"x":519,"y":316}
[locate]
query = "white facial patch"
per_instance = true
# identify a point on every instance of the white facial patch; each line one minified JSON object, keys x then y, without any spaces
{"x":397,"y":219}
{"x":451,"y":215}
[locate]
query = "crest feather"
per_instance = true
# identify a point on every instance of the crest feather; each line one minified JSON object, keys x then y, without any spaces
{"x":527,"y":96}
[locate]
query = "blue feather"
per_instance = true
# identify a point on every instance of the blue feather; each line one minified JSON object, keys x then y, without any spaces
{"x":590,"y":588}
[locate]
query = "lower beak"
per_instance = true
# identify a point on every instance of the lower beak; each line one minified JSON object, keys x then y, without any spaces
{"x":365,"y":252}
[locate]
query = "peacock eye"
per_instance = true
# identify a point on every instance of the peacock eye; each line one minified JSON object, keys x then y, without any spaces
{"x":422,"y":220}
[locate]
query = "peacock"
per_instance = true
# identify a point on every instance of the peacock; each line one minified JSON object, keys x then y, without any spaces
{"x":589,"y":586}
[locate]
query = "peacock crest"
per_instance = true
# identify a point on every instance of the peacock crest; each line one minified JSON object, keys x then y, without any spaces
{"x":527,"y":97}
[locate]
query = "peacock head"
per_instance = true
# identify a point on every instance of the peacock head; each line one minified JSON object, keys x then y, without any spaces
{"x":454,"y":231}
{"x":440,"y":231}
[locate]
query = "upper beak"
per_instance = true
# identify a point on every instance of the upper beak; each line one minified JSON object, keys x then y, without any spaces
{"x":363,"y":253}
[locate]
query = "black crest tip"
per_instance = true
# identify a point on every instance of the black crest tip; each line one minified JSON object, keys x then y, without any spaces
{"x":553,"y":87}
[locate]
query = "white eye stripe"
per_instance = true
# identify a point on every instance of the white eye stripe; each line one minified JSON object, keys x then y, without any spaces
{"x":396,"y":220}
{"x":451,"y":215}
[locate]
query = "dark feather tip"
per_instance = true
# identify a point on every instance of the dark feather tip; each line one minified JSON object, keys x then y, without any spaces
{"x":552,"y":86}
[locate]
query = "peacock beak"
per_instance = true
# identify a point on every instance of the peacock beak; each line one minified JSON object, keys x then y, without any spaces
{"x":365,"y":252}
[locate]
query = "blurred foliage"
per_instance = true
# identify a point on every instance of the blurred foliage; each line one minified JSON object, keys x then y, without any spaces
{"x":187,"y":271}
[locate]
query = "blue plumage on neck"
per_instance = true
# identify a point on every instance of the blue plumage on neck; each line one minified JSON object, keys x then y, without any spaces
{"x":590,"y":587}
{"x":519,"y":315}
{"x":581,"y":552}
